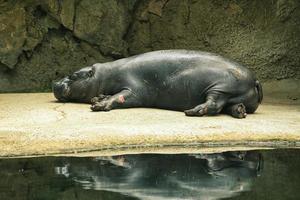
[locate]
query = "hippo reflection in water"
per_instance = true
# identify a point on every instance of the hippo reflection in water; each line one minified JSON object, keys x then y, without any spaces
{"x":195,"y":82}
{"x":148,"y":176}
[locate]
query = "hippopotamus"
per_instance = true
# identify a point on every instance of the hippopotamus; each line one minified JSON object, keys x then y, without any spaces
{"x":198,"y":83}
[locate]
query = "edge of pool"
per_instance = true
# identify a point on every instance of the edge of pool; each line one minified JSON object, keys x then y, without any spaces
{"x":34,"y":124}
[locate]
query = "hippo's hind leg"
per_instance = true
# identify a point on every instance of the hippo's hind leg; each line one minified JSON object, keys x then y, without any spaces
{"x":124,"y":99}
{"x":236,"y":110}
{"x":239,"y":106}
{"x":213,"y":105}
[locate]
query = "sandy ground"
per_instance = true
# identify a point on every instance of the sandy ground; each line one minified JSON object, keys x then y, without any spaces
{"x":35,"y":124}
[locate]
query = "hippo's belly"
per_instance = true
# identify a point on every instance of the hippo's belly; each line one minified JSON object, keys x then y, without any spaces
{"x":178,"y":91}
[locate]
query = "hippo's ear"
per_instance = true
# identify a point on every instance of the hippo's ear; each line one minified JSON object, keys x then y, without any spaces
{"x":91,"y":72}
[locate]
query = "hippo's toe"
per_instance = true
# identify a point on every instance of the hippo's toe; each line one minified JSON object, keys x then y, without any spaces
{"x":101,"y":106}
{"x":239,"y":111}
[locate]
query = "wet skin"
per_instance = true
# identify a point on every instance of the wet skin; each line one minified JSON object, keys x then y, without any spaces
{"x":195,"y":82}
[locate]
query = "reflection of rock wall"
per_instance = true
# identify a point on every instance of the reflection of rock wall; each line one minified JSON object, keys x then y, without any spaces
{"x":44,"y":40}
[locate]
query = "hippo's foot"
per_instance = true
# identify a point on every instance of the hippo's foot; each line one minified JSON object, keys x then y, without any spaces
{"x":99,"y":98}
{"x":124,"y":99}
{"x":101,"y":106}
{"x":237,"y":111}
{"x":212,"y":106}
{"x":200,"y":111}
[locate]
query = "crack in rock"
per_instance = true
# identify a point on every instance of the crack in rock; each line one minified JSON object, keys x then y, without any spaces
{"x":63,"y":114}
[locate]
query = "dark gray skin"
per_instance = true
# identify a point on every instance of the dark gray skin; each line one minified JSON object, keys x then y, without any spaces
{"x":195,"y":82}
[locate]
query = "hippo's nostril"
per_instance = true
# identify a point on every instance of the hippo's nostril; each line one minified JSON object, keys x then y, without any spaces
{"x":61,"y":90}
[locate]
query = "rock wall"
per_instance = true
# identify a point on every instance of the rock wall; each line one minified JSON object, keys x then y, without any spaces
{"x":44,"y":40}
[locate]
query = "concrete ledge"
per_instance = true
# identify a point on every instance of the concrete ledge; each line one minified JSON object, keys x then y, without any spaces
{"x":35,"y":124}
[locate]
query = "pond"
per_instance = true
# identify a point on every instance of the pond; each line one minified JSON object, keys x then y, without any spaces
{"x":259,"y":174}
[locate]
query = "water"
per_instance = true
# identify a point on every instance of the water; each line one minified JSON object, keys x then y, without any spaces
{"x":270,"y":174}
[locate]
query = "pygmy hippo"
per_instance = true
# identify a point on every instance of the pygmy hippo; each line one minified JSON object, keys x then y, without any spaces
{"x":198,"y":83}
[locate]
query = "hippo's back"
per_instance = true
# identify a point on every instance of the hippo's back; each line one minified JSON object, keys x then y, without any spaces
{"x":170,"y":62}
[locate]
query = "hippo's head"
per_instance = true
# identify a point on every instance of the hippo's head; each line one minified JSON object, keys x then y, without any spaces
{"x":78,"y":87}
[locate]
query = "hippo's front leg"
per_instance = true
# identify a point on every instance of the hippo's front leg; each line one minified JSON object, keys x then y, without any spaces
{"x":99,"y":98}
{"x":124,"y":99}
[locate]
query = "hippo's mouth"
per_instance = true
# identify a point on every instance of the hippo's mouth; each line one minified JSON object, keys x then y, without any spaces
{"x":65,"y":94}
{"x":61,"y":91}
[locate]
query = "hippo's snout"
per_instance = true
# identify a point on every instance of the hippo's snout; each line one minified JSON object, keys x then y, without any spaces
{"x":61,"y":90}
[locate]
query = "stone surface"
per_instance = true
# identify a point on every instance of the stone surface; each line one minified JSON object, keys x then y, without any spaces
{"x":12,"y":34}
{"x":264,"y":36}
{"x":35,"y":124}
{"x":40,"y":70}
{"x":63,"y":11}
{"x":102,"y":23}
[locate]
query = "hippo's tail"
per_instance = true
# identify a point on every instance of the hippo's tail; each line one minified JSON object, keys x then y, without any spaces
{"x":259,"y":91}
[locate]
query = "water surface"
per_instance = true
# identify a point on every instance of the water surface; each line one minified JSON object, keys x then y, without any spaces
{"x":269,"y":174}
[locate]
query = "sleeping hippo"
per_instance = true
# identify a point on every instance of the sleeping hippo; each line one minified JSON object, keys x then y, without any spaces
{"x":198,"y":83}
